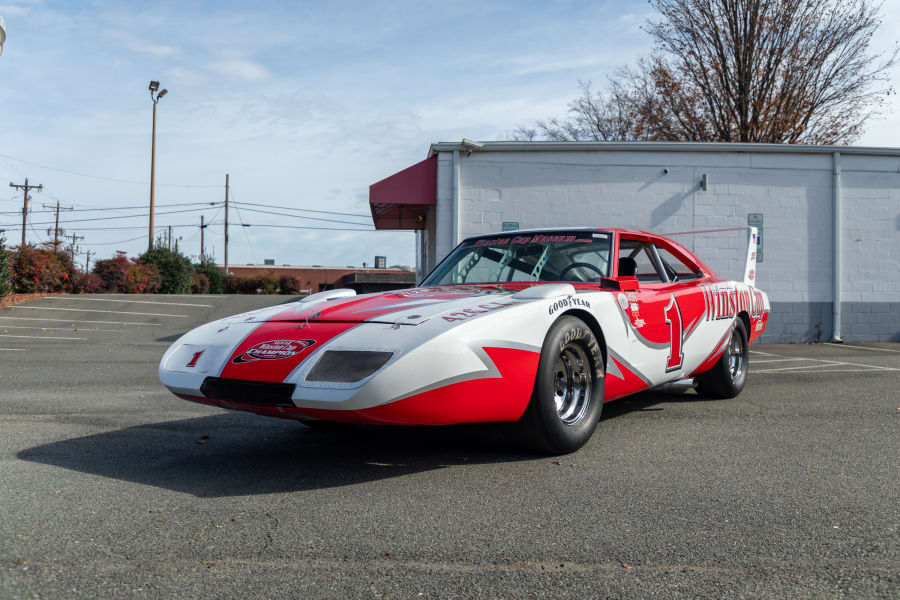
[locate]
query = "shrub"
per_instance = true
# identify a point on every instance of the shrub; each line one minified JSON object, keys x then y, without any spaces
{"x":214,"y":274}
{"x":36,"y":270}
{"x":174,"y":267}
{"x":127,"y":276}
{"x":6,"y":280}
{"x":87,"y":283}
{"x":289,"y":285}
{"x":263,"y":284}
{"x":199,"y":283}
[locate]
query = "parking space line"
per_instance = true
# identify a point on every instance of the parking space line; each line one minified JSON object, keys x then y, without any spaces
{"x":828,"y":363}
{"x":13,"y":350}
{"x":861,"y":347}
{"x":786,"y":372}
{"x":789,"y":368}
{"x":61,"y":329}
{"x":834,"y":362}
{"x":72,"y":321}
{"x":127,"y":301}
{"x":41,"y":337}
{"x":772,"y":360}
{"x":115,"y":312}
{"x":762,"y":353}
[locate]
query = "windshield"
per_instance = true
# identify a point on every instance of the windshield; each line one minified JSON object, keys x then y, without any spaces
{"x":553,"y":256}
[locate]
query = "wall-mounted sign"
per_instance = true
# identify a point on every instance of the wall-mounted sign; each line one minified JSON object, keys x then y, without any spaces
{"x":510,"y":225}
{"x":756,"y":220}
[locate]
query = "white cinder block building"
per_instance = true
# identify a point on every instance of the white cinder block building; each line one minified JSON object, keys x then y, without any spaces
{"x":829,"y":216}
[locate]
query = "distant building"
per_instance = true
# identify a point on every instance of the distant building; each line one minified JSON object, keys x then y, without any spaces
{"x":317,"y":278}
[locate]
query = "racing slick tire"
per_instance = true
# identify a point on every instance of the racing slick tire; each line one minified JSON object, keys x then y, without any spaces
{"x":567,"y":399}
{"x":729,"y":375}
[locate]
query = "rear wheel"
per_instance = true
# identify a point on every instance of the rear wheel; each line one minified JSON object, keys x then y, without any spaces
{"x":728,"y":377}
{"x":567,"y":399}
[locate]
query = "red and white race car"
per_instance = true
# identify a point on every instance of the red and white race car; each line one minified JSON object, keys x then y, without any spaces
{"x":533,"y":328}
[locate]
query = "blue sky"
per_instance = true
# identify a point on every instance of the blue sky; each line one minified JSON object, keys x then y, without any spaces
{"x":305,"y":104}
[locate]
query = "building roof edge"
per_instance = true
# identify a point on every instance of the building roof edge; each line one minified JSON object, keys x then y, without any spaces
{"x":497,"y":146}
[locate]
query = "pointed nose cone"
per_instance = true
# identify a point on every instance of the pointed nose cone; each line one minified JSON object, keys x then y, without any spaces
{"x":274,"y":349}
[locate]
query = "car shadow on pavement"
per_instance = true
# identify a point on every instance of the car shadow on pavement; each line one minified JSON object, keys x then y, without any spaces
{"x":236,"y":454}
{"x":233,"y":454}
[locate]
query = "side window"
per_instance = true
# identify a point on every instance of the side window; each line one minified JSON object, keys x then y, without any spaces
{"x":677,"y":269}
{"x":639,"y":252}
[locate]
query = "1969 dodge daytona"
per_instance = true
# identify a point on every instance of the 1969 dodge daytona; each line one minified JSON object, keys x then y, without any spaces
{"x":534,"y":329}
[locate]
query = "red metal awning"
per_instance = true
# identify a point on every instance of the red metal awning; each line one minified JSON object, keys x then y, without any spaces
{"x":399,"y":201}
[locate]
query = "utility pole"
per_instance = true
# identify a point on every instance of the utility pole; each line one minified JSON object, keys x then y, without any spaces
{"x":202,"y":239}
{"x":56,"y":229}
{"x":226,"y":225}
{"x":169,"y":238}
{"x":26,"y":200}
{"x":75,"y":238}
{"x":87,"y":263}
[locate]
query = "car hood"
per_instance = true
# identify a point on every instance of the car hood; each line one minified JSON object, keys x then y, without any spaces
{"x":406,"y":307}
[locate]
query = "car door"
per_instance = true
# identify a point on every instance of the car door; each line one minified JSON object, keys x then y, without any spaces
{"x":684,"y":309}
{"x":664,"y":310}
{"x":646,"y":310}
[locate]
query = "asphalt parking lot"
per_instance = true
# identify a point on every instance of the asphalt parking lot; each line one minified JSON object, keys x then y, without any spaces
{"x":112,"y":487}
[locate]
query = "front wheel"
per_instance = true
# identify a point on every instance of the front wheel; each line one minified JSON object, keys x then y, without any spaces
{"x":567,"y":399}
{"x":729,"y":375}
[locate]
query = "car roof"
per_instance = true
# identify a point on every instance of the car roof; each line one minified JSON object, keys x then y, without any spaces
{"x":542,"y":229}
{"x":637,"y":233}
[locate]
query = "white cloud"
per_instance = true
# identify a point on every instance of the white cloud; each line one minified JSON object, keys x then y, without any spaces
{"x":17,"y":9}
{"x":140,"y":45}
{"x":240,"y":69}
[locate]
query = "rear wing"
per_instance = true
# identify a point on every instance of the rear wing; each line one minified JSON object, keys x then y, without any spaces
{"x":752,"y":243}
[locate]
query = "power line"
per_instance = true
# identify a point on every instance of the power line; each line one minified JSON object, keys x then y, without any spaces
{"x":107,"y":208}
{"x":140,"y":237}
{"x":325,"y":212}
{"x":114,"y":179}
{"x":37,"y":235}
{"x":303,"y":227}
{"x":170,"y":212}
{"x":247,"y":237}
{"x":269,"y":212}
{"x":12,"y":168}
{"x":121,"y":228}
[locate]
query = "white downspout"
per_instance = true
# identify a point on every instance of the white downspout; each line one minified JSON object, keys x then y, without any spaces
{"x":838,"y":224}
{"x":455,"y":219}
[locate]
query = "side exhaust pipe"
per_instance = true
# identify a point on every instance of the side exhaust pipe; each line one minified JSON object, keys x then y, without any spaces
{"x":677,"y":387}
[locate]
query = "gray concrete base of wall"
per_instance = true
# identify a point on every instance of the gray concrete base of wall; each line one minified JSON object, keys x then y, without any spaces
{"x":804,"y":322}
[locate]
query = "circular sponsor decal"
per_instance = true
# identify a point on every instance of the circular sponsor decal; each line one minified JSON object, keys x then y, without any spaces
{"x":273,"y":350}
{"x":623,"y":301}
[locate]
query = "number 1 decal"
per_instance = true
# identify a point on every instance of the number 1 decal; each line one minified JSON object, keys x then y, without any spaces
{"x":673,"y":319}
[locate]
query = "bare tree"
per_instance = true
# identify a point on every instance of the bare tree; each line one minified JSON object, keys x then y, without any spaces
{"x":795,"y":71}
{"x":780,"y":71}
{"x":593,"y":116}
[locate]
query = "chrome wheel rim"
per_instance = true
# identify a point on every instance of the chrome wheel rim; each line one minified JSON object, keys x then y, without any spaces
{"x":736,"y":355}
{"x":572,"y":384}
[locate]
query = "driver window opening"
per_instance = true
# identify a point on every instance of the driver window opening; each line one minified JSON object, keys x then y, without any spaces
{"x":677,"y":269}
{"x":644,"y":266}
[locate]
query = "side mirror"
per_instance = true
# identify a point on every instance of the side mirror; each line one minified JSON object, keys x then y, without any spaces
{"x":627,"y":284}
{"x":619,"y":283}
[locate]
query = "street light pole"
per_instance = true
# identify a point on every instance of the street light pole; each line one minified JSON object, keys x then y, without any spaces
{"x":155,"y":97}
